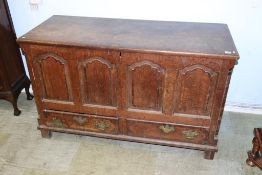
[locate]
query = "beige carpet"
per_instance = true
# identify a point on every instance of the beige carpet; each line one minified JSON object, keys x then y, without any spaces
{"x":24,"y":152}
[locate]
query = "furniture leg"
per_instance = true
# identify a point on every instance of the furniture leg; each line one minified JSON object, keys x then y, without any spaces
{"x":250,"y":159}
{"x":46,"y":133}
{"x":28,"y":94}
{"x":209,"y":155}
{"x":17,"y":112}
{"x":254,"y":156}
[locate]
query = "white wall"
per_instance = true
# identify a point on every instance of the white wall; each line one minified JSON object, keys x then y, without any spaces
{"x":244,"y":18}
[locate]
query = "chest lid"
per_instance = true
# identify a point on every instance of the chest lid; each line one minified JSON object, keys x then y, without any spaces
{"x":138,"y":35}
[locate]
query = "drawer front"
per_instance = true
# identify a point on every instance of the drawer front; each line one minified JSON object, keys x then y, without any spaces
{"x":164,"y":131}
{"x":90,"y":123}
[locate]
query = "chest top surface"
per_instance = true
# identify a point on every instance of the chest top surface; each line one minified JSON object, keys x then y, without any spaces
{"x":139,"y":35}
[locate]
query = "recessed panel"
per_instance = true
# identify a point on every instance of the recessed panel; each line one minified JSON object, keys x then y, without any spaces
{"x":97,"y":81}
{"x":195,"y":89}
{"x":145,"y":86}
{"x":54,"y":76}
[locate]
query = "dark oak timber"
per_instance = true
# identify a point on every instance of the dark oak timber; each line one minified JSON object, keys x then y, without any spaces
{"x":12,"y":72}
{"x":146,"y":81}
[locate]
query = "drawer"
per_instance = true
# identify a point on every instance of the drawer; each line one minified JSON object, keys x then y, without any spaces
{"x":166,"y":131}
{"x":92,"y":123}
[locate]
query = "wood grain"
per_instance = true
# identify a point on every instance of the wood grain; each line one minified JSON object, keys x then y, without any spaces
{"x":139,"y":35}
{"x":144,"y":81}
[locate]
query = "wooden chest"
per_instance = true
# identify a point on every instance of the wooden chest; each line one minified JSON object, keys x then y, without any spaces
{"x":145,"y":81}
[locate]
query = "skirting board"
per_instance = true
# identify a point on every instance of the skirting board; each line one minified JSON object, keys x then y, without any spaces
{"x":244,"y":109}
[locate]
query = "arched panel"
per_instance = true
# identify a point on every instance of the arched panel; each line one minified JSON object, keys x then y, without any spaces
{"x":195,"y":89}
{"x":54,"y":75}
{"x":97,"y":78}
{"x":145,"y":86}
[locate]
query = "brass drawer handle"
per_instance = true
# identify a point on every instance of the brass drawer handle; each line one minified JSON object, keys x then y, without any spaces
{"x":56,"y":122}
{"x":167,"y":128}
{"x":80,"y":120}
{"x":190,"y":134}
{"x":101,"y":125}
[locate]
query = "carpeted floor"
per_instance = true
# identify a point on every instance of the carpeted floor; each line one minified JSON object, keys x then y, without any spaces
{"x":24,"y":152}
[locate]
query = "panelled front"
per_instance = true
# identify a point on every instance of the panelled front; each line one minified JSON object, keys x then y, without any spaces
{"x":168,"y":85}
{"x":163,"y":92}
{"x":97,"y":70}
{"x":143,"y":81}
{"x":76,"y":80}
{"x":154,"y":86}
{"x":53,"y":73}
{"x":194,"y":90}
{"x":140,"y":95}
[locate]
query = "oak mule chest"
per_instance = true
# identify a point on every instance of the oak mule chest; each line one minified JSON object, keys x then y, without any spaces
{"x":146,"y":81}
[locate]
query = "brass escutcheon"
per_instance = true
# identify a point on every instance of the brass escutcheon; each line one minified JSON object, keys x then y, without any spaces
{"x":190,"y":134}
{"x":80,"y":120}
{"x":101,"y":125}
{"x":167,"y":128}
